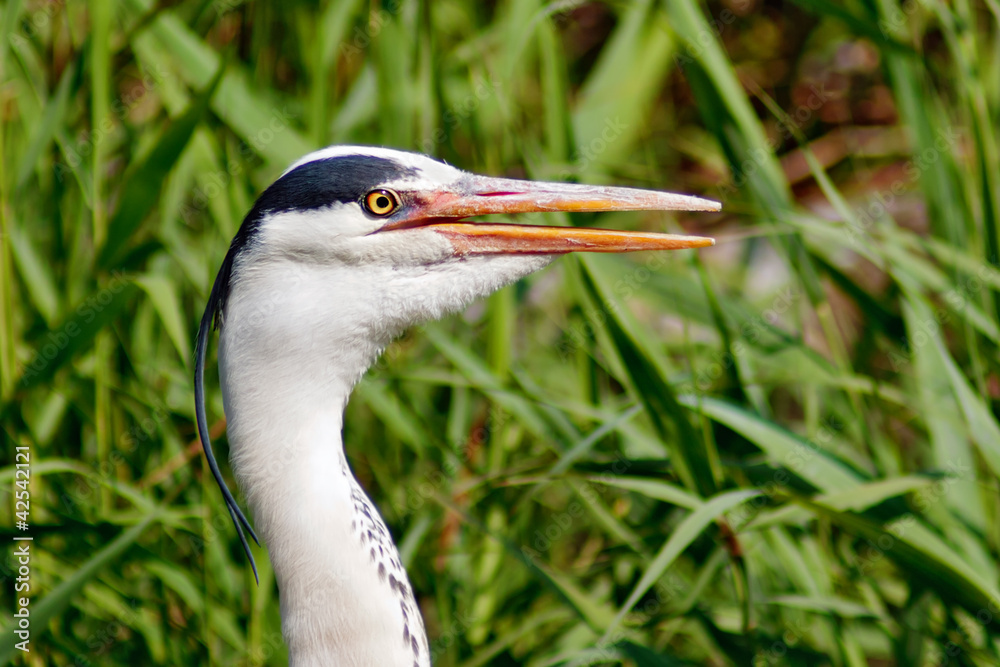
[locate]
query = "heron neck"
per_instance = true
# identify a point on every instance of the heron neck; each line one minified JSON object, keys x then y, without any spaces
{"x":298,"y":335}
{"x":345,"y":597}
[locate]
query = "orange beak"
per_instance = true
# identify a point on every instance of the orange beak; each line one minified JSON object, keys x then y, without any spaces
{"x":442,"y":211}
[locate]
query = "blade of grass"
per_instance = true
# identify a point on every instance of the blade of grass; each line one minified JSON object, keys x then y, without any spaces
{"x":60,"y":597}
{"x":90,"y":317}
{"x":686,"y":532}
{"x":806,"y":459}
{"x":163,"y":295}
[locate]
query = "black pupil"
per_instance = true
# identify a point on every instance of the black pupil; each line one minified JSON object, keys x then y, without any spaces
{"x":382,"y":202}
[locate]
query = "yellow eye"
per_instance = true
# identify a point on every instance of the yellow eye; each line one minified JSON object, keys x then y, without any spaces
{"x":381,"y":202}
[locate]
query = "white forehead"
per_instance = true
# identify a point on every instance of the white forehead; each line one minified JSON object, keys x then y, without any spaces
{"x":431,"y":172}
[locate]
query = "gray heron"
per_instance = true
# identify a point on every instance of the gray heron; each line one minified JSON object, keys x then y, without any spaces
{"x":348,"y":248}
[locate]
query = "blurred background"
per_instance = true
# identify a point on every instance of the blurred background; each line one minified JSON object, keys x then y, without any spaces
{"x":782,"y":450}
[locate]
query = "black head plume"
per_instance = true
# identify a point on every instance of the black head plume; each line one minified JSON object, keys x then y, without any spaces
{"x":210,"y":315}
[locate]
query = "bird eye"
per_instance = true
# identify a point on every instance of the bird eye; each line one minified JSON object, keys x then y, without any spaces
{"x":381,"y":202}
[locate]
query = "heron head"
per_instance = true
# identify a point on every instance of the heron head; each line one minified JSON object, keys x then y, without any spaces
{"x":400,"y":222}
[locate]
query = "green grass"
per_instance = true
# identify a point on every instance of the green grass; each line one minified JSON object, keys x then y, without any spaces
{"x":780,"y":451}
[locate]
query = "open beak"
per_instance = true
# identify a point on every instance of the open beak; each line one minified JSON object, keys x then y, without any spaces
{"x":442,"y":212}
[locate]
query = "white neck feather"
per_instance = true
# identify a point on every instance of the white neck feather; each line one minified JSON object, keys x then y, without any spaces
{"x":296,"y":338}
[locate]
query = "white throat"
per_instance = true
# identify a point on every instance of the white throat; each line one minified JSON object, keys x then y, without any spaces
{"x":296,"y":338}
